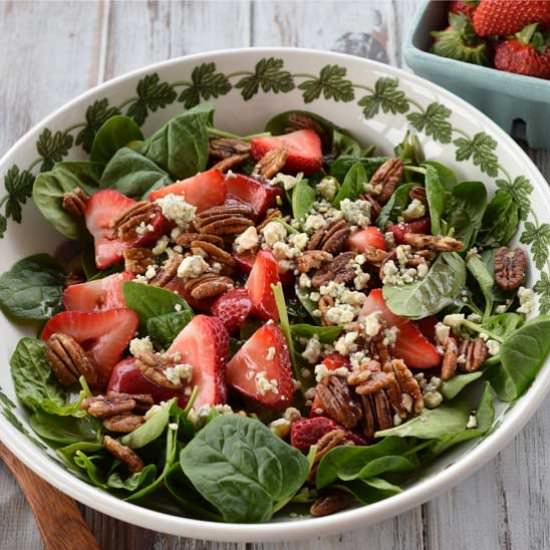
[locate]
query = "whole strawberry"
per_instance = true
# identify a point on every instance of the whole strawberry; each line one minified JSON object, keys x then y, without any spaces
{"x":503,"y":17}
{"x":467,"y":7}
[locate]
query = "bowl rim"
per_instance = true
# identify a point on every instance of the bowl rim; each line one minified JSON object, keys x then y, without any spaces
{"x":362,"y":516}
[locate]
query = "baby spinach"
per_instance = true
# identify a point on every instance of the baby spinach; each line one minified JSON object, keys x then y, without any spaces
{"x":500,"y":220}
{"x":303,"y":197}
{"x":451,"y":388}
{"x":446,"y":176}
{"x":309,"y":305}
{"x":164,"y":328}
{"x":87,"y":171}
{"x":68,"y":453}
{"x":428,"y":296}
{"x":479,"y":271}
{"x":151,"y":429}
{"x":116,"y":132}
{"x":181,"y":146}
{"x":344,"y":144}
{"x":435,"y":195}
{"x":371,"y":490}
{"x":522,"y":354}
{"x":342,"y":165}
{"x":326,"y":335}
{"x":353,"y":185}
{"x":502,"y":325}
{"x":243,"y":469}
{"x":395,"y":206}
{"x":410,"y":149}
{"x":464,"y":210}
{"x":33,"y":288}
{"x":65,"y":429}
{"x":133,"y":482}
{"x":133,"y":174}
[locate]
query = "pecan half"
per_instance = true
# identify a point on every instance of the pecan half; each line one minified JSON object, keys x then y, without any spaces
{"x":208,"y":285}
{"x":137,"y":260}
{"x":68,"y":360}
{"x":329,"y":441}
{"x":144,"y":401}
{"x":330,"y":503}
{"x":123,"y":453}
{"x":230,"y":162}
{"x":168,"y":271}
{"x":271,"y":163}
{"x":438,"y":243}
{"x":331,"y":238}
{"x":325,"y":303}
{"x":449,"y":364}
{"x":510,"y":267}
{"x":369,"y":379}
{"x":474,"y":353}
{"x":223,"y":148}
{"x":153,"y":366}
{"x":186,"y":239}
{"x":407,"y":385}
{"x":101,"y":406}
{"x":377,"y":413}
{"x":74,"y":202}
{"x":339,"y":271}
{"x":213,"y":253}
{"x":225,"y":220}
{"x":375,"y":206}
{"x":387,"y":178}
{"x":126,"y":224}
{"x":123,"y":423}
{"x":375,"y":256}
{"x":312,"y":259}
{"x":337,"y":401}
{"x":419,"y":193}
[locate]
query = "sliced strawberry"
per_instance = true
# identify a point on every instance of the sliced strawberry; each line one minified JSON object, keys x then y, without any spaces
{"x":245,"y":263}
{"x":233,"y":308}
{"x":427,"y":327}
{"x":304,"y":150}
{"x":98,"y":295}
{"x":104,"y":335}
{"x":249,"y":190}
{"x":418,"y":226}
{"x":261,"y":369}
{"x":204,"y":344}
{"x":307,"y":431}
{"x":127,"y":378}
{"x":204,"y":190}
{"x":364,"y":239}
{"x":265,"y":273}
{"x":411,"y":345}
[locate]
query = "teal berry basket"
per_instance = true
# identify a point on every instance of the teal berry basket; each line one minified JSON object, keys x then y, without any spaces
{"x":506,"y":98}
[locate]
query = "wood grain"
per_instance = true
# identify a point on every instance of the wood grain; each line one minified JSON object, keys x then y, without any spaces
{"x":66,"y":47}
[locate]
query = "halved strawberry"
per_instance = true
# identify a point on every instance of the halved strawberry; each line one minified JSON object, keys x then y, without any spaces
{"x":127,"y":378}
{"x":411,"y":345}
{"x":233,"y":308}
{"x":203,"y":190}
{"x":304,"y":150}
{"x":261,"y":369}
{"x":418,"y":226}
{"x":265,"y":273}
{"x":104,"y":335}
{"x":204,"y":344}
{"x":245,"y":263}
{"x":369,"y":237}
{"x":249,"y":190}
{"x":427,"y":327}
{"x":98,"y":295}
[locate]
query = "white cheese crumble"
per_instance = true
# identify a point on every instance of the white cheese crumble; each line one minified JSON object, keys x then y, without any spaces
{"x":178,"y":308}
{"x":175,"y":208}
{"x":340,"y":314}
{"x":143,"y":228}
{"x":150,"y":272}
{"x":270,"y":354}
{"x":346,"y":343}
{"x":526,"y":297}
{"x":274,"y":232}
{"x":280,"y":427}
{"x":139,"y":346}
{"x":304,"y":281}
{"x":415,"y":210}
{"x":299,"y":240}
{"x":327,"y":187}
{"x":472,"y":422}
{"x":263,"y":385}
{"x":432,"y":399}
{"x":287,"y":181}
{"x":179,"y":373}
{"x":390,"y":336}
{"x":442,"y":332}
{"x":493,"y":347}
{"x":314,"y":222}
{"x":161,"y":246}
{"x":313,"y":350}
{"x":191,"y":267}
{"x":453,"y":320}
{"x":247,"y":240}
{"x":372,"y":323}
{"x":322,"y":371}
{"x":292,"y":414}
{"x":356,"y":212}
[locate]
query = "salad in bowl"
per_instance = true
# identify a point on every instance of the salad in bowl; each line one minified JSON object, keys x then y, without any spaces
{"x":288,"y":322}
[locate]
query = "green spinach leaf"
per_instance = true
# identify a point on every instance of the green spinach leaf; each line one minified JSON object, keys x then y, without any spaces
{"x":134,"y":481}
{"x":240,"y":467}
{"x":33,"y":288}
{"x":116,"y":132}
{"x":435,"y":195}
{"x":353,"y":185}
{"x":395,"y":206}
{"x":86,"y":171}
{"x":500,"y":221}
{"x":371,"y":490}
{"x":342,"y":165}
{"x":326,"y":335}
{"x":451,"y":388}
{"x":410,"y":149}
{"x":477,"y":268}
{"x":428,"y":296}
{"x":65,"y":429}
{"x":446,"y":175}
{"x":303,"y":197}
{"x":164,"y":328}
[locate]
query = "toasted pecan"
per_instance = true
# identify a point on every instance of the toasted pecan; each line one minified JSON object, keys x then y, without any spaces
{"x":312,"y":259}
{"x":387,"y":178}
{"x":438,"y":243}
{"x":330,"y":238}
{"x":126,"y":224}
{"x":123,"y":453}
{"x":450,"y":357}
{"x":339,"y":271}
{"x":510,"y":267}
{"x":223,"y":148}
{"x":123,"y":423}
{"x":137,"y":260}
{"x":74,"y":202}
{"x":337,"y":401}
{"x":330,"y":502}
{"x":474,"y":352}
{"x":271,"y":163}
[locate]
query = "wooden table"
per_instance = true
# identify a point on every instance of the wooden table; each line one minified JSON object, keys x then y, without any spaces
{"x":52,"y":51}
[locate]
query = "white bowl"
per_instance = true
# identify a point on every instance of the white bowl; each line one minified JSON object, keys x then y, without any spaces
{"x":394,"y":95}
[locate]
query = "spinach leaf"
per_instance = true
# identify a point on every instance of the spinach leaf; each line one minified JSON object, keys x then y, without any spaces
{"x":464,"y":210}
{"x":86,"y":171}
{"x":371,"y":490}
{"x":326,"y":335}
{"x":503,"y":324}
{"x":133,"y":174}
{"x":134,"y":481}
{"x":150,"y":301}
{"x":93,"y":472}
{"x":446,"y":175}
{"x":181,"y":146}
{"x":353,"y":185}
{"x":32,"y":375}
{"x":116,"y":132}
{"x":303,"y":197}
{"x":342,"y":165}
{"x":500,"y":221}
{"x":344,"y":144}
{"x":33,"y":288}
{"x":477,"y":268}
{"x":244,"y":470}
{"x":410,"y":149}
{"x":65,"y":429}
{"x":346,"y":463}
{"x":451,"y":388}
{"x":309,"y":305}
{"x":164,"y":328}
{"x":151,"y":430}
{"x":428,"y":296}
{"x":387,"y":464}
{"x":68,"y":453}
{"x":522,"y":354}
{"x":435,"y":195}
{"x":396,"y":204}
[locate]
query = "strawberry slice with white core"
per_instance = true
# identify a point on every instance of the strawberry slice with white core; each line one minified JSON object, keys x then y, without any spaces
{"x":252,"y":192}
{"x":303,"y":146}
{"x":204,"y":190}
{"x":204,"y":344}
{"x":410,"y":345}
{"x":262,"y":370}
{"x":264,"y":273}
{"x":99,"y":295}
{"x":104,"y":335}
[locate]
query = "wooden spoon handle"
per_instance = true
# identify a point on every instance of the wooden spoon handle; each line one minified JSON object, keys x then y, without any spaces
{"x":58,"y":517}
